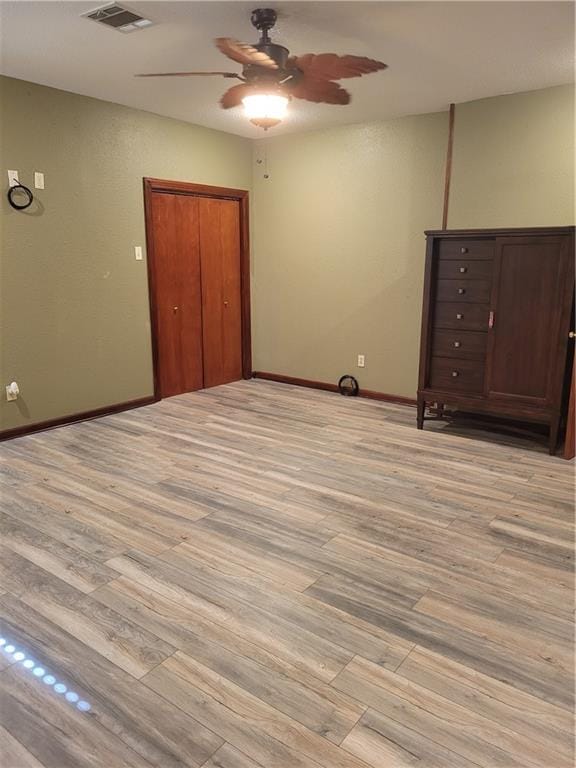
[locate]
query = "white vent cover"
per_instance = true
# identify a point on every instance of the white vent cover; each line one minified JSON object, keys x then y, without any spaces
{"x":119,"y":18}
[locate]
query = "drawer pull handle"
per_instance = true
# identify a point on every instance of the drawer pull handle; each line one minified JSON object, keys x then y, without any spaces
{"x":455,"y":374}
{"x":459,"y":316}
{"x":463,"y":269}
{"x":456,"y":344}
{"x":461,"y":291}
{"x":463,"y":250}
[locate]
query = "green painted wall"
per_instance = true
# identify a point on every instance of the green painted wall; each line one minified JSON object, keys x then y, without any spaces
{"x":338,"y":249}
{"x":74,"y":320}
{"x":514,"y":161}
{"x":337,"y":243}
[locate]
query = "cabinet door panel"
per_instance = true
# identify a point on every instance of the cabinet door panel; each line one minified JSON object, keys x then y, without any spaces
{"x":527,"y":305}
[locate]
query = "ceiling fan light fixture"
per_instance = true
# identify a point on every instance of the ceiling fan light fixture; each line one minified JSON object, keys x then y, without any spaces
{"x":265,"y":109}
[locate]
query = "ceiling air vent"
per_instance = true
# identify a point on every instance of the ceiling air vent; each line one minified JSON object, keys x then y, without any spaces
{"x":119,"y":18}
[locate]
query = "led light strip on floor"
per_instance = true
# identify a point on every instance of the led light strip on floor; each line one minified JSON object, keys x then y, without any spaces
{"x":40,"y":673}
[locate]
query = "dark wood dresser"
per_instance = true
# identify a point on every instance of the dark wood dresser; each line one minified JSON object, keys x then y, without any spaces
{"x":497,"y":313}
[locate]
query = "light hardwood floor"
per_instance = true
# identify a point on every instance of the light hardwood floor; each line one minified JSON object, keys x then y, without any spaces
{"x":261,"y":576}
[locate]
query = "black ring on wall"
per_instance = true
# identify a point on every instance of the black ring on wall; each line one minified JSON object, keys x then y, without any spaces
{"x":351,"y":389}
{"x":26,"y":191}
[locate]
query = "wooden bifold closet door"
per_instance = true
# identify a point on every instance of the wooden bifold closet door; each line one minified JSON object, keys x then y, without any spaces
{"x":195,"y":268}
{"x":220,"y":285}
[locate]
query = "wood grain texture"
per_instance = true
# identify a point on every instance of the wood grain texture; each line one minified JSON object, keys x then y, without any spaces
{"x":179,"y":205}
{"x":220,"y":248}
{"x":14,"y":755}
{"x":524,"y":279}
{"x":174,"y":227}
{"x":264,"y":576}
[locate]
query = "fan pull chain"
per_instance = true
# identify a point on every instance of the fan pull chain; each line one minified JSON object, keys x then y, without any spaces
{"x":264,"y":162}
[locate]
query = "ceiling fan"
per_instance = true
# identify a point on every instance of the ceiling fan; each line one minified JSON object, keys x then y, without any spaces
{"x":271,"y":76}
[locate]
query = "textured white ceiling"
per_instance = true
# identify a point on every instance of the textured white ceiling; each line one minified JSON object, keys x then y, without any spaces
{"x":437,"y":52}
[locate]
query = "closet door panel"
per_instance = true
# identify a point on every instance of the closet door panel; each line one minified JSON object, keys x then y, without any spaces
{"x":526,"y":305}
{"x":177,"y":290}
{"x":221,"y":290}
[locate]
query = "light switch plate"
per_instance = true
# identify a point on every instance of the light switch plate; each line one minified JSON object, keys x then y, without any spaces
{"x":13,"y":178}
{"x":38,"y":180}
{"x":138,"y":252}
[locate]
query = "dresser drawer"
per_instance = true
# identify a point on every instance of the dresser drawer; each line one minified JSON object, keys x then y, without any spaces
{"x":470,"y":249}
{"x":456,"y":375}
{"x":466,"y":317}
{"x":459,"y":269}
{"x":473,"y":291}
{"x":459,"y":345}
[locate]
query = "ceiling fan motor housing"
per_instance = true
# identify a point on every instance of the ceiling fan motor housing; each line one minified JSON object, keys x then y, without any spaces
{"x":275,"y":51}
{"x":264,"y":19}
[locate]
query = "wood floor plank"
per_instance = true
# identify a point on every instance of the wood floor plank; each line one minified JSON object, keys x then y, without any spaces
{"x":25,"y":507}
{"x":541,"y":677}
{"x":265,"y":576}
{"x":456,"y":727}
{"x":230,"y":757}
{"x":218,"y":552}
{"x":69,"y":738}
{"x":547,"y":637}
{"x":14,"y":755}
{"x":304,"y":698}
{"x":335,"y":627}
{"x":536,"y":720}
{"x":54,"y":556}
{"x":295,"y":644}
{"x":382,"y":741}
{"x":233,"y":713}
{"x":152,"y":727}
{"x":538,"y":566}
{"x":317,"y":559}
{"x":109,"y":633}
{"x":457,"y":574}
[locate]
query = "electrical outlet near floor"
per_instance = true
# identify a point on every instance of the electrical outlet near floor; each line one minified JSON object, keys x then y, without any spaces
{"x":361,"y":361}
{"x":12,"y":391}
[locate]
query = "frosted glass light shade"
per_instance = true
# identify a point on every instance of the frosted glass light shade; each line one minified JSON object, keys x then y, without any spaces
{"x":265,"y":109}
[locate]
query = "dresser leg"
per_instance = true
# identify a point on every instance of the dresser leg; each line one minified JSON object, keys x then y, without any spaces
{"x":420,"y":407}
{"x":554,"y":426}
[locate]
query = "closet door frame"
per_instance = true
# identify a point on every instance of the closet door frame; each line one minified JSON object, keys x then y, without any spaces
{"x":151,"y":186}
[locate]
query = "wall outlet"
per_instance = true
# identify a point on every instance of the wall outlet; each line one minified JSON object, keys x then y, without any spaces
{"x":12,"y":391}
{"x":38,"y":180}
{"x":13,"y":178}
{"x":361,"y":361}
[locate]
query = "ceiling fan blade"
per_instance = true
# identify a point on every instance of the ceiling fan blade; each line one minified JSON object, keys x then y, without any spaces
{"x":188,"y":74}
{"x":244,"y":53}
{"x":330,"y":66}
{"x":233,"y":96}
{"x":319,"y":91}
